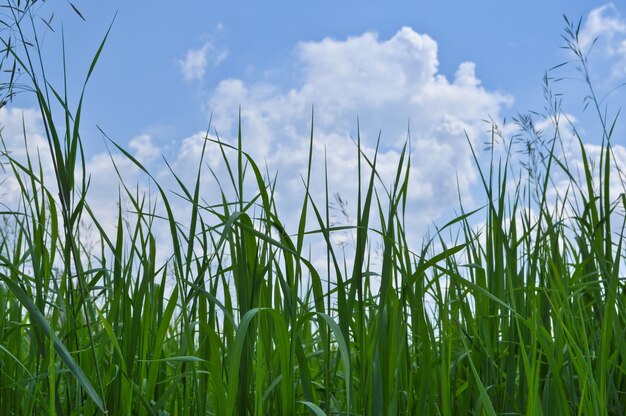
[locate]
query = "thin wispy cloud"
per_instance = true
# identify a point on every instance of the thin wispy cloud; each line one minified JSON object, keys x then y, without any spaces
{"x":603,"y":33}
{"x":193,"y":67}
{"x":604,"y":21}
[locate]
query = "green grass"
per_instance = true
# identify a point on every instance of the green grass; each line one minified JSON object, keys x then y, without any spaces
{"x":524,"y":315}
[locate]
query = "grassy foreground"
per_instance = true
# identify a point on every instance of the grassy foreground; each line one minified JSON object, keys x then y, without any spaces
{"x":524,"y":315}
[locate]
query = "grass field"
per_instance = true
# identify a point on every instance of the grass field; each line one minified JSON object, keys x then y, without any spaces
{"x":523,"y":314}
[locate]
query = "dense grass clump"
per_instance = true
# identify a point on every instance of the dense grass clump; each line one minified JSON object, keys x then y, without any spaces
{"x":522,"y":315}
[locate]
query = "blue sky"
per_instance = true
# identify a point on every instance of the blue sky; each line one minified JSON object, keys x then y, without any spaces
{"x":442,"y":66}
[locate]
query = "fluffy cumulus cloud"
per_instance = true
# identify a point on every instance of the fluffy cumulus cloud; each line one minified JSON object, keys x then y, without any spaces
{"x":387,"y":83}
{"x":393,"y":85}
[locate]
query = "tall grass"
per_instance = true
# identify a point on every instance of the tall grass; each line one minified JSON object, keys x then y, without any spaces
{"x":523,"y":315}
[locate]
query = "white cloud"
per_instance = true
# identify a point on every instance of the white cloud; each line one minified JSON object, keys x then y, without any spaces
{"x":194,"y":66}
{"x":386,"y":83}
{"x":145,"y":150}
{"x":605,"y":26}
{"x":603,"y":21}
{"x":21,"y":130}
